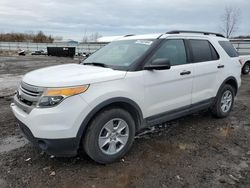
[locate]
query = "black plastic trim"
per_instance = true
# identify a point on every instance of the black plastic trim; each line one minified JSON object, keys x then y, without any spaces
{"x":189,"y":47}
{"x":147,"y":61}
{"x":226,"y":80}
{"x":66,"y":147}
{"x":139,"y":64}
{"x":188,"y":50}
{"x":199,"y":32}
{"x":106,"y":104}
{"x":177,"y":113}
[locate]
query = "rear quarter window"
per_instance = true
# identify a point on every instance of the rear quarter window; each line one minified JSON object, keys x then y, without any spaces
{"x":229,"y":48}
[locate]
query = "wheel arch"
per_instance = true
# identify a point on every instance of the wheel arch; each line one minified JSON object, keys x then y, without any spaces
{"x":121,"y":102}
{"x":231,"y":81}
{"x":246,"y":63}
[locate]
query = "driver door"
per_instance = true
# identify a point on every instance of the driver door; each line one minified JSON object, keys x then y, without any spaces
{"x":168,"y":90}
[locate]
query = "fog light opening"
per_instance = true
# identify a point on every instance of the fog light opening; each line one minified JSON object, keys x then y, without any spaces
{"x":42,"y":145}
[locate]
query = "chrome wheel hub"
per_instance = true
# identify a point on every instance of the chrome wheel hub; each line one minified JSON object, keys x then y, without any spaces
{"x":113,"y":136}
{"x":226,"y":101}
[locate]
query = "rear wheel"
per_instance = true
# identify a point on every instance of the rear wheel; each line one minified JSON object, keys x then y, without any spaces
{"x":224,"y":101}
{"x":246,"y":68}
{"x":110,"y":135}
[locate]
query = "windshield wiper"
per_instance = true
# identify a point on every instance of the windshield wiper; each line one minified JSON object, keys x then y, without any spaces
{"x":96,"y":64}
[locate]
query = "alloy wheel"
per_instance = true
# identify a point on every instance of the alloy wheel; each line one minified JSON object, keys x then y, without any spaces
{"x":113,"y":136}
{"x":226,"y":101}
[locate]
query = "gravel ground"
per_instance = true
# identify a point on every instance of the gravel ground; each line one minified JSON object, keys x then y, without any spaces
{"x":194,"y":151}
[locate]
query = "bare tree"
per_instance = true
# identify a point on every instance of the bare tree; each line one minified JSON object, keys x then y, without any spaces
{"x":85,"y":37}
{"x":230,"y":21}
{"x":94,"y":36}
{"x":91,"y":38}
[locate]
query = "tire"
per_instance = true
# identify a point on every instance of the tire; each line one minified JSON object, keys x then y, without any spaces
{"x":103,"y":143}
{"x":246,"y":68}
{"x":218,"y":110}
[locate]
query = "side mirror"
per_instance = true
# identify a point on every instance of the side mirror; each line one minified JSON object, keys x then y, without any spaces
{"x":158,"y":64}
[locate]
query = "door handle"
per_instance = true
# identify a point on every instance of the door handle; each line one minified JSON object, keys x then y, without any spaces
{"x":185,"y":73}
{"x":220,"y":66}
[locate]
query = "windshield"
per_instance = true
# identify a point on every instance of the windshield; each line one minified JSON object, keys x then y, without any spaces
{"x":120,"y":53}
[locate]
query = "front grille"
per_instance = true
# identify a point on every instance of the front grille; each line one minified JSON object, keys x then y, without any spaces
{"x":34,"y":90}
{"x":28,"y":94}
{"x":29,"y":103}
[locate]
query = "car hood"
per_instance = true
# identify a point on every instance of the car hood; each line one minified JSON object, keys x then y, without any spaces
{"x":71,"y":75}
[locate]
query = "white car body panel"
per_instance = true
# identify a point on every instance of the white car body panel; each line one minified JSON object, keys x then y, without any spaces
{"x":208,"y":77}
{"x":62,"y":121}
{"x":155,"y":92}
{"x":71,"y":75}
{"x":131,"y":87}
{"x":166,"y":90}
{"x":244,"y":59}
{"x":205,"y":81}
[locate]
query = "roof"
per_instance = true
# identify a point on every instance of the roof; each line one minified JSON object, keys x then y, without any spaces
{"x":108,"y":38}
{"x":173,"y":33}
{"x":146,"y":36}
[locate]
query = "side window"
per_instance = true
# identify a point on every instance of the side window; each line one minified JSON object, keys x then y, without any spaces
{"x":229,"y":48}
{"x":173,"y":50}
{"x":203,"y":51}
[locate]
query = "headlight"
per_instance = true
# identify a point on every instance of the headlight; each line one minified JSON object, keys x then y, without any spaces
{"x":53,"y":96}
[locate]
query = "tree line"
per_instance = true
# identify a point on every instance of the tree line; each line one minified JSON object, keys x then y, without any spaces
{"x":40,"y":37}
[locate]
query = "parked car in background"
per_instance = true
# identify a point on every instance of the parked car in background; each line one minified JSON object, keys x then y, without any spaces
{"x":83,"y":54}
{"x":39,"y":52}
{"x":128,"y":85}
{"x":243,"y":48}
{"x":245,"y":61}
{"x":21,"y":52}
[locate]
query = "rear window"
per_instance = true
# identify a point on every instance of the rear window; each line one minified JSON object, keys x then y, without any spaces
{"x":203,"y":51}
{"x":229,"y":48}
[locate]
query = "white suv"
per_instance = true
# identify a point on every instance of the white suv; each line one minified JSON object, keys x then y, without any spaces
{"x":126,"y":86}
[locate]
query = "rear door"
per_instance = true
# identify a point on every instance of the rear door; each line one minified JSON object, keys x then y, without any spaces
{"x":167,"y":90}
{"x":206,"y":68}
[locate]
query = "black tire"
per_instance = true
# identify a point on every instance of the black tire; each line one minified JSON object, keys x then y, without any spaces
{"x":246,"y":68}
{"x":217,"y":109}
{"x":91,"y":139}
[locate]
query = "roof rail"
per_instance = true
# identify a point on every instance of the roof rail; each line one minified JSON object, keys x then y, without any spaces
{"x":129,"y":35}
{"x":159,"y":36}
{"x":200,"y":32}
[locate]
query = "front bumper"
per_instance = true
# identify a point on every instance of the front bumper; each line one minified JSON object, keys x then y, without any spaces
{"x":54,"y":130}
{"x":59,"y":122}
{"x":58,"y":147}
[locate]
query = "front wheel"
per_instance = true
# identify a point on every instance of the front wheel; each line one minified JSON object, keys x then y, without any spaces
{"x":110,"y":135}
{"x":246,"y":68}
{"x":224,"y":101}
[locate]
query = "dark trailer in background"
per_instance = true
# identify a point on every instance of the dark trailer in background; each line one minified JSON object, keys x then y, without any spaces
{"x":61,"y":51}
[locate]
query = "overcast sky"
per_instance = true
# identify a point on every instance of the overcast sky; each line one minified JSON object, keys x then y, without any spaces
{"x":72,"y":18}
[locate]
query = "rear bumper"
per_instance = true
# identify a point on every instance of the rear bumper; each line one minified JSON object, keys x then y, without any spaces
{"x":67,"y":147}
